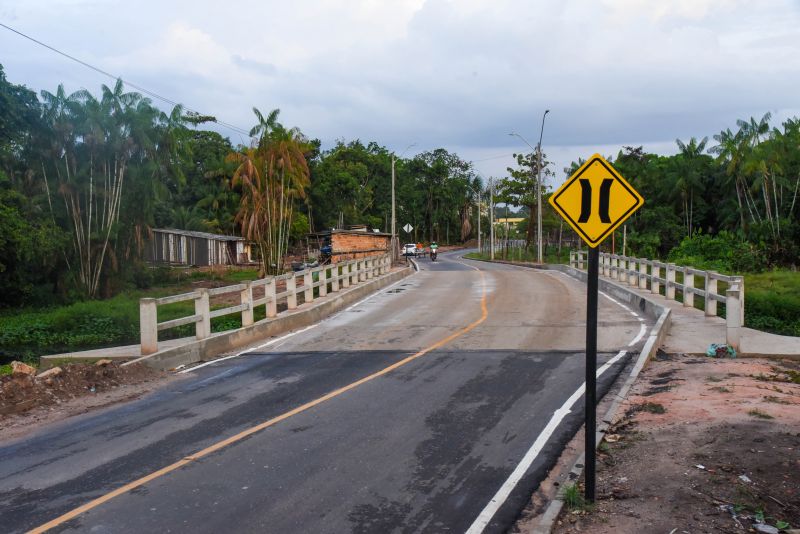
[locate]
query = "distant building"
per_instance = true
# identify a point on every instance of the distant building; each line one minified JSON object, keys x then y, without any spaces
{"x":196,"y":249}
{"x":357,"y":241}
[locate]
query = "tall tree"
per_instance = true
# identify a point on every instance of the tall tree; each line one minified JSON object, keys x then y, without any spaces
{"x":273,"y":175}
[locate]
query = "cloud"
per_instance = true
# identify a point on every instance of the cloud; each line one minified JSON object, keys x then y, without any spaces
{"x":439,"y":72}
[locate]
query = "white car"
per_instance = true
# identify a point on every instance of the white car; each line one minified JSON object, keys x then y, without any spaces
{"x":409,"y":249}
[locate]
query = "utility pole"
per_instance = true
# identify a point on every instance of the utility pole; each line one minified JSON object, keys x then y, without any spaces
{"x":479,"y":222}
{"x":538,"y":150}
{"x":491,"y":219}
{"x":394,"y":238}
{"x":394,"y":220}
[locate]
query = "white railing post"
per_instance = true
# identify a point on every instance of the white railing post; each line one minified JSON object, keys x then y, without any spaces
{"x":643,"y":274}
{"x":323,"y":282}
{"x":633,"y":276}
{"x":346,"y":274}
{"x":361,"y":274}
{"x":369,"y":265}
{"x":246,"y":297}
{"x":711,"y":289}
{"x":291,"y":292}
{"x":655,"y":274}
{"x":622,"y":265}
{"x":148,"y":326}
{"x":355,"y":277}
{"x":572,"y":262}
{"x":334,"y":277}
{"x":580,"y":260}
{"x":688,"y":286}
{"x":202,"y":308}
{"x":740,"y":281}
{"x":669,"y":290}
{"x":733,"y":317}
{"x":308,"y":286}
{"x":614,"y":269}
{"x":270,"y":293}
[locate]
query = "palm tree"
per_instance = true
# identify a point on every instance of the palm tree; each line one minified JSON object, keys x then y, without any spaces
{"x":690,"y":176}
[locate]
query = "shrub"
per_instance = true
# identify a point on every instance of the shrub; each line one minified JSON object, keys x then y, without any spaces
{"x":723,"y":252}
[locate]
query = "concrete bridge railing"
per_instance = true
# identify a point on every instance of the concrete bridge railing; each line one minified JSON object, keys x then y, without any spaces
{"x":652,"y":275}
{"x":329,"y":278}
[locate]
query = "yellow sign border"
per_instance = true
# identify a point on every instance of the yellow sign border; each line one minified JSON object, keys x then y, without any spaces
{"x":596,"y":158}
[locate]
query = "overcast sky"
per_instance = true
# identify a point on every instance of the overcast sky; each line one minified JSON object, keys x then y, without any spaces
{"x":454,"y":74}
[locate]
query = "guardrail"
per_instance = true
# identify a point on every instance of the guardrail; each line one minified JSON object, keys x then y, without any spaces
{"x":329,"y":278}
{"x":647,"y":275}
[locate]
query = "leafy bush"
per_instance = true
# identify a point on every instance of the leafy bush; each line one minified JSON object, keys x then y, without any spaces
{"x":723,"y":252}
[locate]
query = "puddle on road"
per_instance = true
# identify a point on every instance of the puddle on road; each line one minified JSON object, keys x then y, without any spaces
{"x":398,"y":290}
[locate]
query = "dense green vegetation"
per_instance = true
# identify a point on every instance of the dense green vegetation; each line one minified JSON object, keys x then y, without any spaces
{"x":85,"y":324}
{"x":84,"y":177}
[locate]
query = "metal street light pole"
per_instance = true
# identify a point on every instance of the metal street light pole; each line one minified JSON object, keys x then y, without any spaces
{"x":539,"y":189}
{"x":538,"y":150}
{"x":394,"y":220}
{"x":478,"y":193}
{"x":393,"y":242}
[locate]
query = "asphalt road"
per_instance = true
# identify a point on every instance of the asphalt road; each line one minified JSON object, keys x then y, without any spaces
{"x":348,"y":445}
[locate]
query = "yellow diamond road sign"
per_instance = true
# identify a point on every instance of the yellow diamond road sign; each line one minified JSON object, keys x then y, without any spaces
{"x":596,"y":200}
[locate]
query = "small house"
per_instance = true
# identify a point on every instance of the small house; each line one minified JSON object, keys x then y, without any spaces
{"x":196,"y":249}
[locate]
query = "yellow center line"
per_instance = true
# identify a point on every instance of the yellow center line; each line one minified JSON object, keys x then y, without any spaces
{"x":72,"y":514}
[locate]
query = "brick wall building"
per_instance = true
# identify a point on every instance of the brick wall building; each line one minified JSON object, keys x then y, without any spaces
{"x":354,"y":244}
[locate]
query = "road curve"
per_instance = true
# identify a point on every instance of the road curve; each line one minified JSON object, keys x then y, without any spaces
{"x":408,"y":412}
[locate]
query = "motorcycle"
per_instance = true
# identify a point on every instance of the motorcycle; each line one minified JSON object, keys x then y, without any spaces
{"x":433,"y":255}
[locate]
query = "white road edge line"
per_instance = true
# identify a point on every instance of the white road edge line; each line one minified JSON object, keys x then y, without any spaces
{"x":511,"y":482}
{"x":290,"y":334}
{"x":642,"y":332}
{"x":508,"y":486}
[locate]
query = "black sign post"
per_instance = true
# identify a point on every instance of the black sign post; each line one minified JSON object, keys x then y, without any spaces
{"x":591,"y":372}
{"x":575,"y":201}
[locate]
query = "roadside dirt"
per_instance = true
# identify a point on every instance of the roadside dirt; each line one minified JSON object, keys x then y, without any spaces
{"x":27,"y":403}
{"x":701,"y":445}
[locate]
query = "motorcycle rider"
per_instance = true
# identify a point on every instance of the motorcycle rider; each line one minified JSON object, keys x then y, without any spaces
{"x":434,"y":246}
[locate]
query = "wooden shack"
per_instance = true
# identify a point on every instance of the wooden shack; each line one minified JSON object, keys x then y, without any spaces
{"x":197,"y":249}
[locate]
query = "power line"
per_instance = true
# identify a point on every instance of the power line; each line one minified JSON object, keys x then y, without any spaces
{"x":133,"y":85}
{"x":493,"y":157}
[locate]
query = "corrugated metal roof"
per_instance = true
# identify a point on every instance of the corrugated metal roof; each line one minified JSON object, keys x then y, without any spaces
{"x":204,"y":235}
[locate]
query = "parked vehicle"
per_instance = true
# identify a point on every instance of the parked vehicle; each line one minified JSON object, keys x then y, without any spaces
{"x":410,"y":249}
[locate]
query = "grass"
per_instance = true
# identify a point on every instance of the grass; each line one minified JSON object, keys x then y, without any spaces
{"x":26,"y":334}
{"x":775,"y":400}
{"x":721,"y":389}
{"x":5,"y":369}
{"x":652,"y":407}
{"x":574,"y":499}
{"x":529,"y":255}
{"x":772,"y":301}
{"x":759,"y":414}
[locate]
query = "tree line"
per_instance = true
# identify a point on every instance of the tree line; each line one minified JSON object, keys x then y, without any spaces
{"x":84,"y":177}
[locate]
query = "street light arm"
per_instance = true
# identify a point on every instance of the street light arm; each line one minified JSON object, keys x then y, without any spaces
{"x":515,"y":134}
{"x":541,"y":132}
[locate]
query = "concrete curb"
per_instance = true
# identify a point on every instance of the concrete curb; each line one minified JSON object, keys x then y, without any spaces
{"x":199,"y":350}
{"x":657,"y":334}
{"x":662,"y":314}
